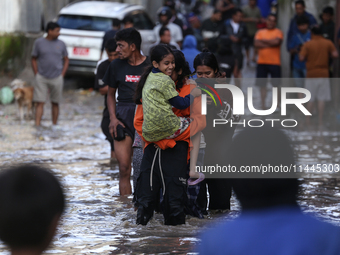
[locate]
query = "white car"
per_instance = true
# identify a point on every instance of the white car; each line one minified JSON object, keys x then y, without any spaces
{"x":83,"y":25}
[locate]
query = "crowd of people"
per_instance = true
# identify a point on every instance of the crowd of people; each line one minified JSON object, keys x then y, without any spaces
{"x":152,"y":117}
{"x":206,"y":40}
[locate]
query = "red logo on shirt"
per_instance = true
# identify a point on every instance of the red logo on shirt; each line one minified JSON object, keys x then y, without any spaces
{"x":132,"y":78}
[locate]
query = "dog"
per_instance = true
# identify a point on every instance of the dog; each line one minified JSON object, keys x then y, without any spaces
{"x":17,"y":83}
{"x":24,"y":98}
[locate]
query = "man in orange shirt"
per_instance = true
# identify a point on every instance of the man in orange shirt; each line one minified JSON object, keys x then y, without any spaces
{"x":268,"y":42}
{"x":317,"y":53}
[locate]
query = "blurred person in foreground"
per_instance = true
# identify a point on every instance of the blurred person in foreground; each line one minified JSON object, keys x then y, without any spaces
{"x":271,"y":221}
{"x":317,"y":53}
{"x":268,"y":42}
{"x":103,"y":89}
{"x":31,"y":204}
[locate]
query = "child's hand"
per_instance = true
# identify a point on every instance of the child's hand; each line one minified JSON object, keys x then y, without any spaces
{"x":196,"y":92}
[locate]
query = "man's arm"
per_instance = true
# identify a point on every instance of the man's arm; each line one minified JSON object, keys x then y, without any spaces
{"x":332,"y":50}
{"x":273,"y":42}
{"x":335,"y":54}
{"x":103,"y":91}
{"x":260,"y":44}
{"x":303,"y":53}
{"x":111,"y":105}
{"x":34,"y":65}
{"x":302,"y":57}
{"x":224,"y":8}
{"x":251,"y":20}
{"x":66,"y":62}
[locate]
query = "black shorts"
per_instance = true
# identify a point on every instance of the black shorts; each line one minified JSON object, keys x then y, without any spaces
{"x":239,"y":60}
{"x":125,"y":112}
{"x":105,"y":128}
{"x":250,"y":42}
{"x":262,"y":71}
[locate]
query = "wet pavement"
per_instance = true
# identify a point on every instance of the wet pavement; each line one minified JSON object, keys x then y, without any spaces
{"x":97,"y":220}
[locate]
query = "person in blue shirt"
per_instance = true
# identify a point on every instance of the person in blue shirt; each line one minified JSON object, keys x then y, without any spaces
{"x":271,"y":222}
{"x":300,"y":11}
{"x":294,"y":47}
{"x":190,"y":50}
{"x":265,"y":7}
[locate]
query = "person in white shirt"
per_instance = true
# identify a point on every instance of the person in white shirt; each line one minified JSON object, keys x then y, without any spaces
{"x":165,"y":15}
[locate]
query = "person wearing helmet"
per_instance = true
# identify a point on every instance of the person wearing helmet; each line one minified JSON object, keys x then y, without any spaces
{"x":164,"y":15}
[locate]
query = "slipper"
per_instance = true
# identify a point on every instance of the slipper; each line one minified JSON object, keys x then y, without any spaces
{"x":194,"y":181}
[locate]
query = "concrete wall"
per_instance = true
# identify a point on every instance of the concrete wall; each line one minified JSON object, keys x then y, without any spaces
{"x":20,"y":16}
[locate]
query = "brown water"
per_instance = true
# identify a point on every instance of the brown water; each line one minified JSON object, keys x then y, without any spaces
{"x":97,"y":220}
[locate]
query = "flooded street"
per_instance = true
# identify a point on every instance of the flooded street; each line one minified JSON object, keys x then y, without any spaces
{"x":97,"y":220}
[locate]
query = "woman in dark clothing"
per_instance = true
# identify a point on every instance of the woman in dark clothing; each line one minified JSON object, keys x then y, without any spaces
{"x":218,"y":138}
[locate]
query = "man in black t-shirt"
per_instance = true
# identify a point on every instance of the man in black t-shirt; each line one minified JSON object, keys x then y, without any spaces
{"x":123,"y":74}
{"x":112,"y":54}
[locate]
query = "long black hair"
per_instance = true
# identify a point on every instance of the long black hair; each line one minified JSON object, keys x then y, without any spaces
{"x":206,"y":58}
{"x":181,"y":64}
{"x":157,"y":53}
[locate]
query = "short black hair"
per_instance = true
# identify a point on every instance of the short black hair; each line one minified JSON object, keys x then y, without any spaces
{"x":301,"y":20}
{"x":128,"y":19}
{"x":328,"y":10}
{"x":256,"y":146}
{"x":30,"y":198}
{"x":162,"y":30}
{"x":302,"y":2}
{"x":206,"y":58}
{"x":216,"y":11}
{"x":129,"y":35}
{"x":116,"y":22}
{"x":236,"y":10}
{"x":316,"y":30}
{"x":111,"y":45}
{"x":51,"y":26}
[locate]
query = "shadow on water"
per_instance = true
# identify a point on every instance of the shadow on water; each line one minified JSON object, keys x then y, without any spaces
{"x":97,"y":220}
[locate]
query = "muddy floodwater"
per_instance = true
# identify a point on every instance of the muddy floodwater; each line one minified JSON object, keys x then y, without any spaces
{"x":97,"y":220}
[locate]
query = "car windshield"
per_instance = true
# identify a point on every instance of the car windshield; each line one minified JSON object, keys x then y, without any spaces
{"x":84,"y":22}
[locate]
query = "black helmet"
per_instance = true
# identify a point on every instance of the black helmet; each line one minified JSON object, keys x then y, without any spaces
{"x":165,"y":11}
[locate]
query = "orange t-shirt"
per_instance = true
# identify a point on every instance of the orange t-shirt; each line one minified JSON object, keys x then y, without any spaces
{"x":317,"y":52}
{"x":270,"y":55}
{"x":198,"y":121}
